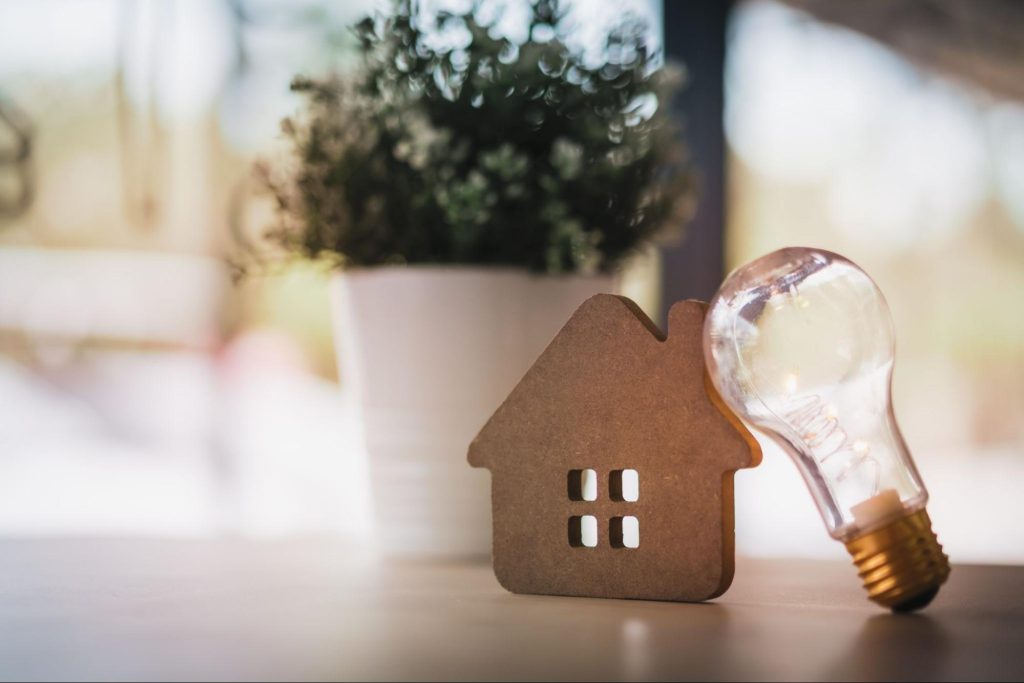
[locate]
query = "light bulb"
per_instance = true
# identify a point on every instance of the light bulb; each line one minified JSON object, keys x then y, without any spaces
{"x":799,"y":343}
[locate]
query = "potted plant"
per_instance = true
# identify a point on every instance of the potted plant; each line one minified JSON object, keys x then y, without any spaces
{"x":472,"y":191}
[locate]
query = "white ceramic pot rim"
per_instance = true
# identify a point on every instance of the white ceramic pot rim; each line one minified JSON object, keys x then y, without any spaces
{"x":358,"y":271}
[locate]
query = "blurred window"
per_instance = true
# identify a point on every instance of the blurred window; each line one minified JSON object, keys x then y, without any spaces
{"x":837,"y":141}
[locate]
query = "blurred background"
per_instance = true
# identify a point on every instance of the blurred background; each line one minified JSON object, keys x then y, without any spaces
{"x":146,"y":390}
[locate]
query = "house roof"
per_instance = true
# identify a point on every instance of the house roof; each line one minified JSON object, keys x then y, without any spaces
{"x":608,"y":371}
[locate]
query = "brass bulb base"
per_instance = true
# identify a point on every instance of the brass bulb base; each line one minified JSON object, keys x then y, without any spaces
{"x":902,"y":564}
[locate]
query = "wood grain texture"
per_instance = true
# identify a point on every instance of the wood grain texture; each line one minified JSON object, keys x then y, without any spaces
{"x":323,"y":610}
{"x":611,"y":392}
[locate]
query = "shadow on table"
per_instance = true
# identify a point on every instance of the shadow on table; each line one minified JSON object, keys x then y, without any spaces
{"x":895,"y":647}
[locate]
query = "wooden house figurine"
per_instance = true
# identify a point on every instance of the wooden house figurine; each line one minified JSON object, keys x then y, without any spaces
{"x":612,"y":462}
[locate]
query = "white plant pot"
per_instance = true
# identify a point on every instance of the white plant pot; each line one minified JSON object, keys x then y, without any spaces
{"x":430,"y":353}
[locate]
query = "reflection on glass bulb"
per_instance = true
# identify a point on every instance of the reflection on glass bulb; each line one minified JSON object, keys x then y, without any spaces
{"x":799,"y":343}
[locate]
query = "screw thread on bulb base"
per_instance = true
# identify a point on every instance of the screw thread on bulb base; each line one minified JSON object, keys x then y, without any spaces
{"x":902,"y":564}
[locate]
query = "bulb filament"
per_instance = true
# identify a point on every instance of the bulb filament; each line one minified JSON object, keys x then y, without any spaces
{"x":816,"y":424}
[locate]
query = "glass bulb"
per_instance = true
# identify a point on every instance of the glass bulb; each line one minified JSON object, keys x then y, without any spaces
{"x":799,"y":343}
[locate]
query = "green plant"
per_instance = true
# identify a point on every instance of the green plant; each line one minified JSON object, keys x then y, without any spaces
{"x":451,"y":144}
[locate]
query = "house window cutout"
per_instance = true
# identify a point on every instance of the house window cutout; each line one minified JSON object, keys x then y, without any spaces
{"x":583,"y":485}
{"x":624,"y":532}
{"x":624,"y":486}
{"x":583,"y":531}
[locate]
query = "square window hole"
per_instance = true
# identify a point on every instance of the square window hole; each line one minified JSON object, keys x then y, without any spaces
{"x":625,"y":532}
{"x":625,"y":485}
{"x":583,"y":531}
{"x":583,"y":485}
